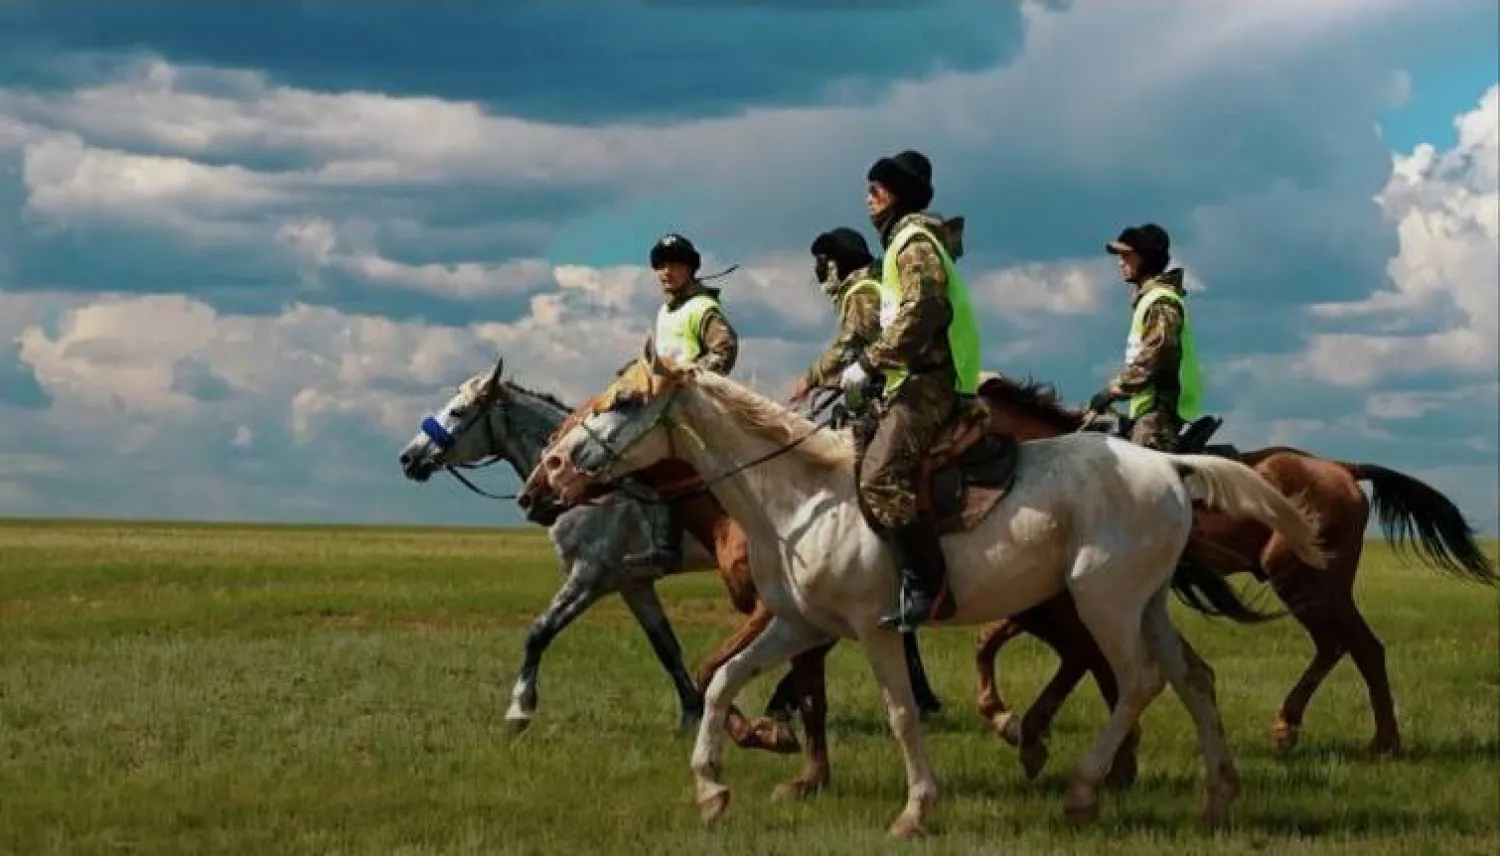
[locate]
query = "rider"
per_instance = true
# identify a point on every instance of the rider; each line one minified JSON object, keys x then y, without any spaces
{"x":690,"y":328}
{"x":1160,"y":376}
{"x":926,"y":355}
{"x":844,"y":268}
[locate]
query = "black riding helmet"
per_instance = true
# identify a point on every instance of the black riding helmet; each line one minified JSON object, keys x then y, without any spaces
{"x":845,"y":247}
{"x":1150,"y":241}
{"x":675,"y":248}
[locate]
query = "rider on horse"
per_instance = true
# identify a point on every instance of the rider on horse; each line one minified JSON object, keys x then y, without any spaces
{"x":1160,"y":376}
{"x":690,"y":328}
{"x":926,"y":356}
{"x":844,"y":268}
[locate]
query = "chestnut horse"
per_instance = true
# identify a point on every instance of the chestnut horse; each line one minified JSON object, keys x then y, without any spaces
{"x":1411,"y":515}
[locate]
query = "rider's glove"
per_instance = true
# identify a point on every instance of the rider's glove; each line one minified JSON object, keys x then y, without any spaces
{"x":1102,"y":400}
{"x":853,"y":377}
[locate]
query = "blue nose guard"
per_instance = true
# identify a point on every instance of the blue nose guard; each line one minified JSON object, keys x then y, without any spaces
{"x":437,"y":433}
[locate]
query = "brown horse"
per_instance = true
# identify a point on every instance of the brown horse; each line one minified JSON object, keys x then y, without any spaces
{"x":1411,"y":515}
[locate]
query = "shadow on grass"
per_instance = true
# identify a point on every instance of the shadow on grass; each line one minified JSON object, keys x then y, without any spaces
{"x":1466,"y":749}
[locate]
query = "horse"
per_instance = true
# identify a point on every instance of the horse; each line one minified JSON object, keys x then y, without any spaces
{"x":1413,"y":516}
{"x":489,"y":419}
{"x":825,"y":573}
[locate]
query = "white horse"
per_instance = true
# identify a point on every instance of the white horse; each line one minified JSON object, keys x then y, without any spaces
{"x":1100,"y":517}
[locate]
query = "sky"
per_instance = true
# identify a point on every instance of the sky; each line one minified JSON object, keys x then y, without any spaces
{"x":244,"y":248}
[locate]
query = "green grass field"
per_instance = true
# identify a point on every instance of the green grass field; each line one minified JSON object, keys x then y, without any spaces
{"x":216,"y":689}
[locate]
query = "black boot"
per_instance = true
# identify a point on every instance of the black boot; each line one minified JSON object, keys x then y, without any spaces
{"x":923,"y":571}
{"x":665,"y":550}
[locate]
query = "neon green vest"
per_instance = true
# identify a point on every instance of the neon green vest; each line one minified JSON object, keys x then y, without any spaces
{"x":963,"y":333}
{"x":1190,"y":392}
{"x":859,"y":285}
{"x":677,"y":329}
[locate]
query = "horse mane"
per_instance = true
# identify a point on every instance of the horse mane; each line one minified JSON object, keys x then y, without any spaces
{"x":470,"y":389}
{"x":1033,"y":398}
{"x":769,"y":420}
{"x":544,"y":396}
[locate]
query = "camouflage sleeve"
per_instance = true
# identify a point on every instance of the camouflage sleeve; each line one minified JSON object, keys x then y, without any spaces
{"x":922,"y":312}
{"x":721,"y":345}
{"x":859,"y":326}
{"x":1161,"y":348}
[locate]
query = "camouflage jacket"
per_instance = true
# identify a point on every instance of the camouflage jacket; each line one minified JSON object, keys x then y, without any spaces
{"x":859,"y":326}
{"x":917,"y":338}
{"x":721,"y":345}
{"x":1161,"y":341}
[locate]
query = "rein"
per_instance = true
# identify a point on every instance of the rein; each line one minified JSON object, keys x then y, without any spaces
{"x":700,"y":485}
{"x":444,"y":440}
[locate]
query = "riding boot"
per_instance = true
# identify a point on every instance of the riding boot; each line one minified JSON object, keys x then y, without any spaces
{"x":665,"y":549}
{"x":924,"y":577}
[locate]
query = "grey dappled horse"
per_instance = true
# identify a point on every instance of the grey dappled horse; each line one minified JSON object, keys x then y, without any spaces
{"x":490,"y":417}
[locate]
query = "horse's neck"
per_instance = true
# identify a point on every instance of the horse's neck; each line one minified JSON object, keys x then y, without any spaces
{"x":525,"y":436}
{"x":772,"y":492}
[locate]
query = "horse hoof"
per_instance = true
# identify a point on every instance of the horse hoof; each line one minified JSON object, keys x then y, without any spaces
{"x":907,"y":827}
{"x":518,"y":724}
{"x":1033,"y":759}
{"x":1284,"y":738}
{"x":774,"y":737}
{"x":796,"y":789}
{"x":713,"y":806}
{"x":1008,"y":726}
{"x":1081,"y":806}
{"x":1383,"y":748}
{"x":689,"y":724}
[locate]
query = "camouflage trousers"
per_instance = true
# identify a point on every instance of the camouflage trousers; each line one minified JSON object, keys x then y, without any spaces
{"x":909,"y":425}
{"x":1156,"y":429}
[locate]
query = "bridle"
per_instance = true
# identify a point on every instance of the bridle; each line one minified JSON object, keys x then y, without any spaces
{"x":444,"y":440}
{"x":698,"y":485}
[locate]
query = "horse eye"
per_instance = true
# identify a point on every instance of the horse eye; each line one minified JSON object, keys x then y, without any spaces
{"x":457,"y":412}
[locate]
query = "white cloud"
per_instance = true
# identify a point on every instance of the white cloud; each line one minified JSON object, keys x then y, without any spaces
{"x":319,"y":246}
{"x":1446,"y":210}
{"x":342,"y":139}
{"x":1066,"y":288}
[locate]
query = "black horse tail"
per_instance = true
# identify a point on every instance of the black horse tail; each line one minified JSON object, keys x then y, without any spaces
{"x":1416,"y":518}
{"x":1207,"y":591}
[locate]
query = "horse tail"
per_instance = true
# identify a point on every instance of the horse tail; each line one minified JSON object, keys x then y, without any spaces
{"x":1416,"y":517}
{"x":1208,"y":592}
{"x":1230,"y":486}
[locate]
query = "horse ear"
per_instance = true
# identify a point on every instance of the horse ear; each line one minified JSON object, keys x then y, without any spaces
{"x":493,"y":382}
{"x":648,"y":352}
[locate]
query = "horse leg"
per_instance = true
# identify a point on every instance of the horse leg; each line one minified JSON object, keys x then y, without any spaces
{"x":928,"y":704}
{"x":886,"y":659}
{"x":1368,"y":654}
{"x":782,"y":639}
{"x":990,"y":703}
{"x":1116,"y":625}
{"x":1364,"y":647}
{"x":644,"y":604}
{"x":1309,"y":594}
{"x":578,"y":592}
{"x":1056,"y":623}
{"x":808,"y":676}
{"x":762,"y":733}
{"x":1193,"y":681}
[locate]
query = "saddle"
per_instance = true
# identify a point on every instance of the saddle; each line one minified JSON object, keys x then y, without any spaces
{"x":1191,"y":440}
{"x":967,"y":471}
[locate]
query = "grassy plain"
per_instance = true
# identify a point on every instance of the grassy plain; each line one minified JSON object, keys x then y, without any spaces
{"x":172,"y":688}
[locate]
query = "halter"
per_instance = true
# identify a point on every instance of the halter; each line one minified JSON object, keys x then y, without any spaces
{"x":444,"y":441}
